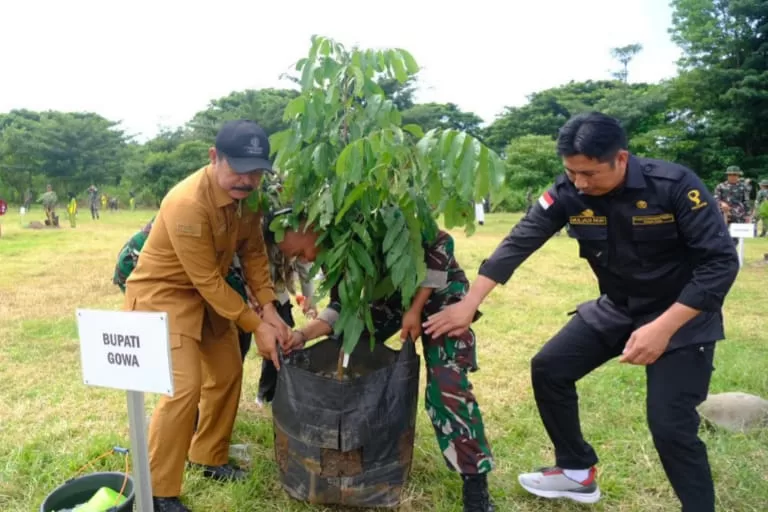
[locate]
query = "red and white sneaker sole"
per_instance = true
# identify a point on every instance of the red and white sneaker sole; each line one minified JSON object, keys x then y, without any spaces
{"x":580,"y":497}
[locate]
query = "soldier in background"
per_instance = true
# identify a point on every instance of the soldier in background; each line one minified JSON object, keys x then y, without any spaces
{"x":733,"y":196}
{"x":49,"y":200}
{"x":93,"y":199}
{"x":762,"y":197}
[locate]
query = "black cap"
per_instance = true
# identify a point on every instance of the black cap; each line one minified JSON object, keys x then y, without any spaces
{"x":245,"y":145}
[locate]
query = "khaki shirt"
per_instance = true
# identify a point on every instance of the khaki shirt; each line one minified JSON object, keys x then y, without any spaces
{"x":196,"y":233}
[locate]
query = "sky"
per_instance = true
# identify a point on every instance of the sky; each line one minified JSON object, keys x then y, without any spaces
{"x":153,"y":64}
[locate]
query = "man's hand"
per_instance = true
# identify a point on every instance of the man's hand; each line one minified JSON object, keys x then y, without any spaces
{"x":269,"y":314}
{"x":266,"y":342}
{"x":411,"y":325}
{"x":297,"y":341}
{"x":646,"y":344}
{"x":454,"y":320}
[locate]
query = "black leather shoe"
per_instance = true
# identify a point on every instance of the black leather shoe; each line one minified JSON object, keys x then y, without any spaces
{"x":168,"y":505}
{"x":476,"y":497}
{"x":223,"y":473}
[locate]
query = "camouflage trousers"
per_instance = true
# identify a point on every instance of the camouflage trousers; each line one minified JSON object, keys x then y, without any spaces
{"x":449,"y":401}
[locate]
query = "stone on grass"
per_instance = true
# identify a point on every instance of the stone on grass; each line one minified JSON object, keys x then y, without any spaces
{"x":240,"y":452}
{"x":735,"y":411}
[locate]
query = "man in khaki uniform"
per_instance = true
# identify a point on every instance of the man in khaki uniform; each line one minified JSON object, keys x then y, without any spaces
{"x":201,"y":224}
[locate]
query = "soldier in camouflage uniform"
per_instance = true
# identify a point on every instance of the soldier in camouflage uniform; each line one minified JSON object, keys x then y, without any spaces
{"x":449,"y":400}
{"x":762,"y":197}
{"x":49,"y":200}
{"x":733,"y":196}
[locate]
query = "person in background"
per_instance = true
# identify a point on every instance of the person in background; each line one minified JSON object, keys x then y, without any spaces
{"x":733,"y":196}
{"x":93,"y":200}
{"x":72,"y":209}
{"x":49,"y":200}
{"x":760,"y":199}
{"x":659,"y":247}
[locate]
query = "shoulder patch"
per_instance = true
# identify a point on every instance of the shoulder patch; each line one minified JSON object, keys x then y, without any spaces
{"x":664,"y":170}
{"x":195,"y":230}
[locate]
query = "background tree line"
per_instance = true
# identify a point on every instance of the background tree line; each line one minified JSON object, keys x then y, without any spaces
{"x":712,"y":114}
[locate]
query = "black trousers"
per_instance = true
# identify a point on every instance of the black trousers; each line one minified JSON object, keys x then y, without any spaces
{"x":676,"y":384}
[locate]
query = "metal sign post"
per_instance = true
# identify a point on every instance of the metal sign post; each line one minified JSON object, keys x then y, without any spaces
{"x":129,"y":350}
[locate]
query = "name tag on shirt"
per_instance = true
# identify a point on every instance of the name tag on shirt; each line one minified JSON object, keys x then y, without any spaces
{"x":653,"y":220}
{"x":588,"y":220}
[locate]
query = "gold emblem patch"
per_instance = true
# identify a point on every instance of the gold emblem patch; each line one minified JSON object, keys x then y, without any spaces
{"x":695,"y":197}
{"x":641,"y":204}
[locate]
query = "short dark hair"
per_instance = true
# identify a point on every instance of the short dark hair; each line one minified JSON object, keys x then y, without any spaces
{"x":592,"y":134}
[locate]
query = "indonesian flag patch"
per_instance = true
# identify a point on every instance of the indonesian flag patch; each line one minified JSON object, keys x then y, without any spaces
{"x":546,"y":200}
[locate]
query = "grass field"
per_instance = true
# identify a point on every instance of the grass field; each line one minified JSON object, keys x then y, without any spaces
{"x":51,"y":424}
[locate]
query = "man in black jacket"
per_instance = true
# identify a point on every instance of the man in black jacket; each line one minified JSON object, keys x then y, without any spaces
{"x":655,"y":239}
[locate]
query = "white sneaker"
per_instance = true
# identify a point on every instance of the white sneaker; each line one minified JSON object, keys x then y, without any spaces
{"x":552,"y":483}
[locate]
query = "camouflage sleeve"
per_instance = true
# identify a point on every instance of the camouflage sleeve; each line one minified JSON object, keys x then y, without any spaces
{"x":127,"y":258}
{"x":719,"y":192}
{"x":439,"y":258}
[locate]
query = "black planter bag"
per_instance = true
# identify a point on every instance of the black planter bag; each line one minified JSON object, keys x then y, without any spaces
{"x":346,"y":441}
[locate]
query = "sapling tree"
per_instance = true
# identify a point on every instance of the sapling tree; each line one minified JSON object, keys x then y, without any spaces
{"x":373,"y":187}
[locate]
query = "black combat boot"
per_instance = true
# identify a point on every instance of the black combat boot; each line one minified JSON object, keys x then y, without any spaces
{"x":476,"y":497}
{"x":168,"y":505}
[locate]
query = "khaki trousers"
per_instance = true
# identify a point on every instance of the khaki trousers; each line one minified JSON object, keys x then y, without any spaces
{"x":208,"y":373}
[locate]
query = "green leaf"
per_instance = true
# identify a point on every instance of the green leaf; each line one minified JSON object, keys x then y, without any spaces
{"x":414,"y":130}
{"x":483,"y":175}
{"x":396,"y":61}
{"x":363,"y":258}
{"x":400,"y":270}
{"x":353,"y":196}
{"x":393,"y":232}
{"x":307,"y":74}
{"x":466,"y":167}
{"x":278,"y":140}
{"x":352,"y":334}
{"x":382,"y":62}
{"x":359,"y":80}
{"x":446,"y":141}
{"x":294,"y":107}
{"x":384,"y":288}
{"x":320,"y":157}
{"x":342,"y":162}
{"x":327,"y":208}
{"x":410,"y":63}
{"x":363,"y":235}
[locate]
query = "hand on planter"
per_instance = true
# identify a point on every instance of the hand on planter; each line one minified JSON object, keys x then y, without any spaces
{"x":411,"y":325}
{"x":266,"y":342}
{"x":269,"y":314}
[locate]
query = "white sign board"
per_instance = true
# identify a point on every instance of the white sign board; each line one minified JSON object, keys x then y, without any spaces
{"x":742,"y":230}
{"x":126,"y":350}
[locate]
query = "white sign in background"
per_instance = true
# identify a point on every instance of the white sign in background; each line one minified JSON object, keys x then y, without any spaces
{"x":126,"y":350}
{"x":742,"y":230}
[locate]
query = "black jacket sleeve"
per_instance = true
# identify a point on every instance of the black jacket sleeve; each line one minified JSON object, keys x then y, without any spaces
{"x":709,"y":244}
{"x":545,"y":218}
